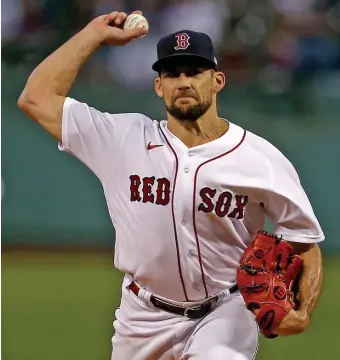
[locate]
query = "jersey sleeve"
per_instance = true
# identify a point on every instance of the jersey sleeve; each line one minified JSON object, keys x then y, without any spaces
{"x":94,"y":137}
{"x":288,"y":206}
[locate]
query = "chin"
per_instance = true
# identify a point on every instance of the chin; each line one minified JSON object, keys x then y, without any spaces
{"x":187,"y":116}
{"x":190,"y":112}
{"x":185,"y":109}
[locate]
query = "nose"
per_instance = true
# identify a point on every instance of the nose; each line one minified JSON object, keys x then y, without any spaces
{"x":184,"y":82}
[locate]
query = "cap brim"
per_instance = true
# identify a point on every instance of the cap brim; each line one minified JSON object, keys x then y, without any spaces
{"x":169,"y":60}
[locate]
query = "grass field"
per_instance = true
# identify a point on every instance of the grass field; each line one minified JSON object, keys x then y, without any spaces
{"x":61,"y":306}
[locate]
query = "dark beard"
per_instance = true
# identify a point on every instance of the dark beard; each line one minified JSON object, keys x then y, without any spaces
{"x":192,"y":114}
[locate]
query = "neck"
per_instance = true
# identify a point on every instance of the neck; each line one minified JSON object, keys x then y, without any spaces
{"x":207,"y":128}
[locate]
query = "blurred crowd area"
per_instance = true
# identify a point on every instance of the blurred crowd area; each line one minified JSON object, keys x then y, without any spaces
{"x":276,"y":42}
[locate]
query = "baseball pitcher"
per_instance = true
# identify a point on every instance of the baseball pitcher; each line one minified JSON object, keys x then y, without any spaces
{"x":188,"y":197}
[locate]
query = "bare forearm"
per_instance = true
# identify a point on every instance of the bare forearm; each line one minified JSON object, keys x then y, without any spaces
{"x":310,"y":285}
{"x":56,"y":74}
{"x":311,"y":281}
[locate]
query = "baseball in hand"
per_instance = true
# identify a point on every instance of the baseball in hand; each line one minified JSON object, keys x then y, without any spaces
{"x":134,"y":21}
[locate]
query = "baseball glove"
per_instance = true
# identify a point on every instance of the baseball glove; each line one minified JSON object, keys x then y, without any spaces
{"x":267,"y":278}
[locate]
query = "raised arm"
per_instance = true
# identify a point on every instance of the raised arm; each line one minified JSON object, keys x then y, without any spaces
{"x":47,"y":87}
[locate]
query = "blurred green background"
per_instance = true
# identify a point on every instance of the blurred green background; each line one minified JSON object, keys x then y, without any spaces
{"x":282,"y":61}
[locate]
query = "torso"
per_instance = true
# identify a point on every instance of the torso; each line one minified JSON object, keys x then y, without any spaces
{"x":183,"y":217}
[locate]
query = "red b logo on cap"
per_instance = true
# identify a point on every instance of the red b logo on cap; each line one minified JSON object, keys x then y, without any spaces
{"x":182,"y":41}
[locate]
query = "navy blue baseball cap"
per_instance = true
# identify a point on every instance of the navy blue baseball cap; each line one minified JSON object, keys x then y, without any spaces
{"x":183,"y":46}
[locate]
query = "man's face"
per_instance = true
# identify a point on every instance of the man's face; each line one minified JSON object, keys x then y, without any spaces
{"x":187,"y":91}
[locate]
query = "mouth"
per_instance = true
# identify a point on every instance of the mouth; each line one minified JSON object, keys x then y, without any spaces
{"x":186,"y":98}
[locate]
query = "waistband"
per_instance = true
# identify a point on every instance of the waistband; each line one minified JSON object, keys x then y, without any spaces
{"x":190,"y":309}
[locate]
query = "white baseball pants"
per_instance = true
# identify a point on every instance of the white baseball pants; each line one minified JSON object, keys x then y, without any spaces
{"x":142,"y":332}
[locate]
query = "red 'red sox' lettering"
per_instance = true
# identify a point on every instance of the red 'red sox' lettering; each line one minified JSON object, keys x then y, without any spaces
{"x":226,"y":204}
{"x":148,"y":196}
{"x":163,"y":191}
{"x":134,"y":188}
{"x":142,"y":190}
{"x":157,"y":191}
{"x":207,"y":205}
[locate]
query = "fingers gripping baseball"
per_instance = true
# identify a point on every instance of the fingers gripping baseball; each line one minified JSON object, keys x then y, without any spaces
{"x":112,"y":31}
{"x":115,"y":18}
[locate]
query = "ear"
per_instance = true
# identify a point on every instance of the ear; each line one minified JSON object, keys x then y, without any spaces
{"x":158,"y":87}
{"x":219,"y":81}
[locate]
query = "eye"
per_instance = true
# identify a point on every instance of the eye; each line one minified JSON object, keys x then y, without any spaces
{"x":193,"y":72}
{"x":170,"y":74}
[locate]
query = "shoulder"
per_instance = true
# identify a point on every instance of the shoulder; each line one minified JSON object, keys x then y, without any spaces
{"x":265,"y":149}
{"x":77,"y":108}
{"x":277,"y":164}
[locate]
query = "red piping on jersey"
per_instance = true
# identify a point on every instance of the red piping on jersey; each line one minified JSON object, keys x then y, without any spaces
{"x":194,"y":206}
{"x":173,"y":216}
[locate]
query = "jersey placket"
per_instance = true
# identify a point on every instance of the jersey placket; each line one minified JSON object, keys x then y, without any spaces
{"x":183,"y":203}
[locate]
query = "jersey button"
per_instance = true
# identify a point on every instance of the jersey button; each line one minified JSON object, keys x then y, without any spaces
{"x":184,"y":223}
{"x":196,"y":286}
{"x":186,"y":170}
{"x":191,"y":154}
{"x":191,"y":253}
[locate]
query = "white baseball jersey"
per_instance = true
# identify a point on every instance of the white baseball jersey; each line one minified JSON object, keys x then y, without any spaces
{"x":184,"y":216}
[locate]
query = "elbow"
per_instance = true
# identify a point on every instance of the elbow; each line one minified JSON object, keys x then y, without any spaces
{"x":302,"y":326}
{"x":26,"y":102}
{"x":22,"y":103}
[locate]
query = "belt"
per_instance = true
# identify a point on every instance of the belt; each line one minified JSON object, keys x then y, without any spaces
{"x":191,"y":312}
